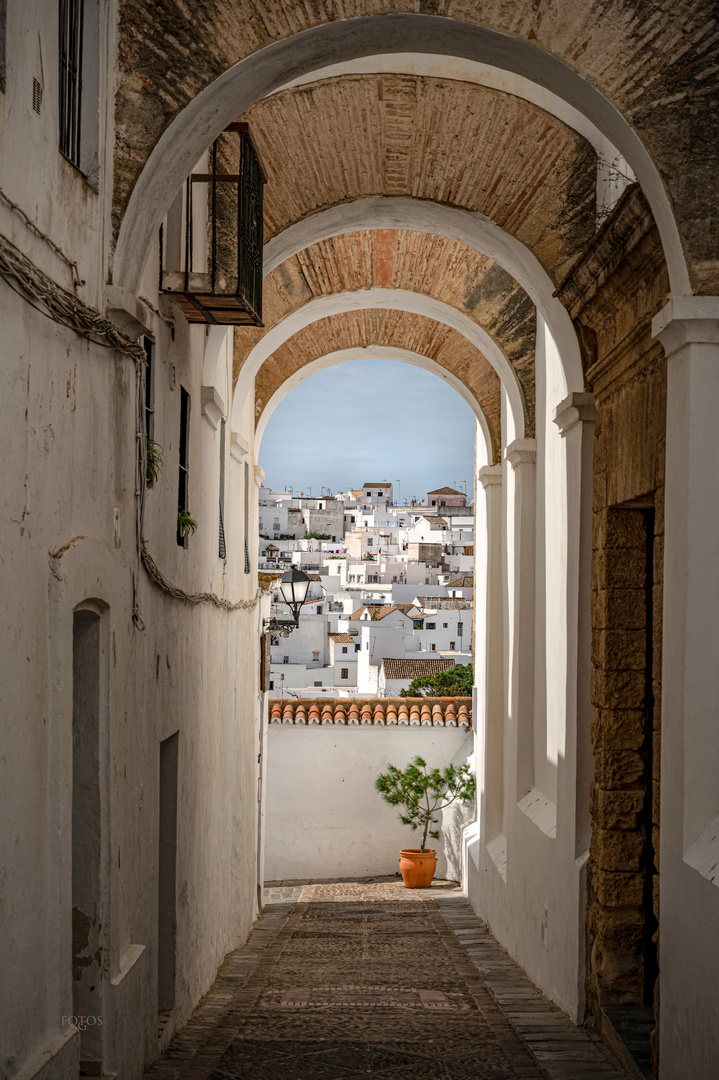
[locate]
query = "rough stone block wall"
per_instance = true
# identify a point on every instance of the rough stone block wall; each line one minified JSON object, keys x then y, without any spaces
{"x":618,"y":792}
{"x":612,"y":294}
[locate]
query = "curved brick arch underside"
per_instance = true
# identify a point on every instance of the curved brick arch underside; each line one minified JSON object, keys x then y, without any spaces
{"x":453,"y":143}
{"x":649,"y":65}
{"x":418,"y":262}
{"x":369,"y":327}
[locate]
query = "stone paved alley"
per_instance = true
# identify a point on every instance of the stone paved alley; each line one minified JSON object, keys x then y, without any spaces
{"x":350,"y":979}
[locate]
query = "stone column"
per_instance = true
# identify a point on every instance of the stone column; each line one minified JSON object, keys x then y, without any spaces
{"x":489,"y":677}
{"x":519,"y":629}
{"x":575,"y":419}
{"x":688,"y":328}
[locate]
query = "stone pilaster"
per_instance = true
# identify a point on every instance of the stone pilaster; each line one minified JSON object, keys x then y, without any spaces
{"x":521,"y":455}
{"x":688,"y":328}
{"x":491,"y":687}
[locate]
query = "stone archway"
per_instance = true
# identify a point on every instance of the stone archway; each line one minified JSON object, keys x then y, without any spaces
{"x":381,"y":299}
{"x":149,"y":176}
{"x":304,"y":212}
{"x":424,"y":264}
{"x":276,"y":392}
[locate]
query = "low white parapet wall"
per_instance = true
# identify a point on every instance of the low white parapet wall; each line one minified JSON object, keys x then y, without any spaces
{"x":323,"y":815}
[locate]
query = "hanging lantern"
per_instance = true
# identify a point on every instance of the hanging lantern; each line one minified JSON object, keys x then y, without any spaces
{"x":294,"y":585}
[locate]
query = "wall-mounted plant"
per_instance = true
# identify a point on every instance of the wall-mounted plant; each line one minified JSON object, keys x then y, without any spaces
{"x":185,"y":524}
{"x":153,"y":461}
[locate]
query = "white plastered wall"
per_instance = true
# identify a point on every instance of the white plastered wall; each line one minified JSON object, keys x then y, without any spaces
{"x":524,"y":877}
{"x":689,"y":837}
{"x":68,"y":427}
{"x":324,"y":817}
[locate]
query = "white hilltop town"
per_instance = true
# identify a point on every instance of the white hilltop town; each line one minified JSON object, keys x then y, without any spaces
{"x":393,"y":588}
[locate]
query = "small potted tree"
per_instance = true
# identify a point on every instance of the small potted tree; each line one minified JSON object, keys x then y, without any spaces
{"x":423,"y":793}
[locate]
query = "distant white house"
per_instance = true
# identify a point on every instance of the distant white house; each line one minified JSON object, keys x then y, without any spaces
{"x":446,"y":497}
{"x":376,"y":494}
{"x":446,"y":625}
{"x":383,"y":600}
{"x":428,"y":529}
{"x":396,"y":673}
{"x":343,"y":659}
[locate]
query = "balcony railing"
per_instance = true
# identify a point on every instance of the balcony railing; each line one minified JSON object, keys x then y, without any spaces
{"x":213,"y":268}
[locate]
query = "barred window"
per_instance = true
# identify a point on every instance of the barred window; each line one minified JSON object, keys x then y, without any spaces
{"x":71,"y":34}
{"x":3,"y":46}
{"x":222,"y":547}
{"x":183,"y":492}
{"x":79,"y":114}
{"x":153,"y":450}
{"x":248,"y":564}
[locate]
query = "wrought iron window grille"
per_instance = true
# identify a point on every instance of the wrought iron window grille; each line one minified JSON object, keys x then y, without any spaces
{"x":227,"y":289}
{"x":184,"y":463}
{"x":222,"y":546}
{"x":71,"y":34}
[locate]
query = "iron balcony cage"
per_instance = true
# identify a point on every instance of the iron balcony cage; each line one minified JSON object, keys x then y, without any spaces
{"x":218,"y":276}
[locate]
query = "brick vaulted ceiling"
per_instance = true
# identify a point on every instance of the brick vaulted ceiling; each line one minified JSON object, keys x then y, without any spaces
{"x":442,"y":140}
{"x":417,"y":262}
{"x":400,"y":329}
{"x":652,"y":62}
{"x":451,"y":142}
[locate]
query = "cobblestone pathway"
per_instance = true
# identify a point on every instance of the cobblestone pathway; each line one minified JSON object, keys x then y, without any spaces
{"x":347,"y":980}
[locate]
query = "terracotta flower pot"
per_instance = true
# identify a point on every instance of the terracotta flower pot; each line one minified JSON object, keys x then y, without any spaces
{"x":417,"y":867}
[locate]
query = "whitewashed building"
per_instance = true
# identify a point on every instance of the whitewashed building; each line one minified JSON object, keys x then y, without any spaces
{"x":343,"y":658}
{"x":396,"y":673}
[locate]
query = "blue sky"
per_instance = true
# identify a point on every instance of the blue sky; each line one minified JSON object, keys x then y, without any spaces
{"x":370,"y":420}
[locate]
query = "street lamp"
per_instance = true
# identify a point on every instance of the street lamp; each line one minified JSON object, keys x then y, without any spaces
{"x":294,"y":585}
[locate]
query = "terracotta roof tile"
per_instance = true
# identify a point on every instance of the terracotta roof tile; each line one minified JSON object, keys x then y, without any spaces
{"x":375,"y":712}
{"x":445,"y":491}
{"x":343,"y":639}
{"x":387,"y":609}
{"x":382,"y":610}
{"x":434,"y":519}
{"x":402,"y":668}
{"x":359,"y":612}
